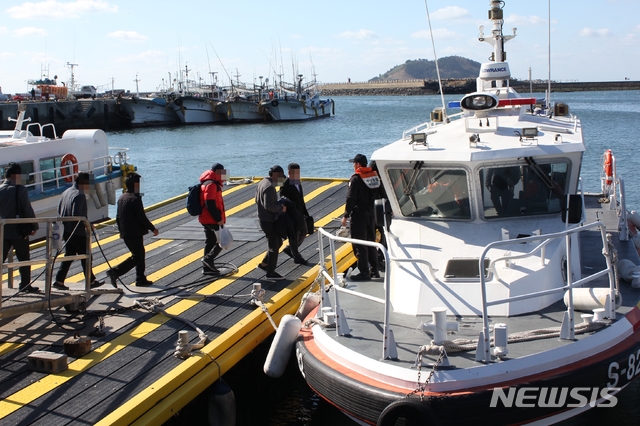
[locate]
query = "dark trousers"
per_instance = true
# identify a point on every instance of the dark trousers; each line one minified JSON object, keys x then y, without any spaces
{"x":211,"y":247}
{"x":274,"y":242}
{"x":75,"y":244}
{"x":136,"y":247}
{"x":21,"y":247}
{"x":364,"y":228}
{"x":286,"y":228}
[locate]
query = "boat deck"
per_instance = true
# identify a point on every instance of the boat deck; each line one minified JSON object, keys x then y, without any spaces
{"x":365,"y":319}
{"x":131,"y":374}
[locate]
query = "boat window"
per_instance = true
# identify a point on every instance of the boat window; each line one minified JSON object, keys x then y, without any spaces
{"x":524,"y":190}
{"x":431,"y":193}
{"x":50,"y":172}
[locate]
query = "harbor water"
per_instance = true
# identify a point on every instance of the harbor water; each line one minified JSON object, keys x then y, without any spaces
{"x":172,"y":158}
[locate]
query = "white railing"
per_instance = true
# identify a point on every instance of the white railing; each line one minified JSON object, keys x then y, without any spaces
{"x":388,"y":342}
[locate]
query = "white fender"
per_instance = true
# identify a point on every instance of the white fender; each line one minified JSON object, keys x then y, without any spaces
{"x":307,"y":304}
{"x":96,"y":200}
{"x":101,"y":196}
{"x":111,"y":192}
{"x":282,"y":346}
{"x":588,"y":299}
{"x":221,"y":405}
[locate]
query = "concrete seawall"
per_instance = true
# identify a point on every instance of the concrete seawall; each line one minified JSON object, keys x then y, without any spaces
{"x":79,"y":114}
{"x":430,"y":87}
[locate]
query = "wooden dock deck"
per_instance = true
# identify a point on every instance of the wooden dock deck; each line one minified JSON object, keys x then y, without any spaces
{"x":131,"y":375}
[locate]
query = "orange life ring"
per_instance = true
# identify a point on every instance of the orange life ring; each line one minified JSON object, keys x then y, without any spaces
{"x":608,"y":167}
{"x":68,"y":161}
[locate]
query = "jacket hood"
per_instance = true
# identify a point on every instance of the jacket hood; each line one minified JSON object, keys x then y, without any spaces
{"x":209,"y":175}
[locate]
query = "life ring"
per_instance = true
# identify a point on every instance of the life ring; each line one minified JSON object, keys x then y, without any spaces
{"x":413,"y":411}
{"x":608,"y":167}
{"x":274,"y":102}
{"x":68,"y":161}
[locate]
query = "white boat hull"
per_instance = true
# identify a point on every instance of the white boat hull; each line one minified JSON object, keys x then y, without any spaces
{"x":238,"y":111}
{"x":195,"y":110}
{"x":148,"y":112}
{"x":295,"y":110}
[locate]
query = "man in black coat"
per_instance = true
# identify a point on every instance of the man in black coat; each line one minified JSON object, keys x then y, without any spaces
{"x":74,"y":203}
{"x":133,"y":224}
{"x":14,"y":201}
{"x":292,"y":190}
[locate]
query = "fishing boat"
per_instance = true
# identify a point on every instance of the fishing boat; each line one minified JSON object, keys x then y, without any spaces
{"x":294,"y":102}
{"x":509,"y":295}
{"x":148,"y":111}
{"x":243,"y":108}
{"x":50,"y":163}
{"x":197,"y":104}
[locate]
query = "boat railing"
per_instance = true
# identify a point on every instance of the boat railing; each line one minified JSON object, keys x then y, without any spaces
{"x":335,"y":279}
{"x":41,"y":128}
{"x":424,"y":127}
{"x":483,"y":351}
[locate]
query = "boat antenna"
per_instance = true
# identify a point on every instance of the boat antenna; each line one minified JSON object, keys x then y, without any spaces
{"x":433,"y":46}
{"x":222,"y":65}
{"x":548,"y":100}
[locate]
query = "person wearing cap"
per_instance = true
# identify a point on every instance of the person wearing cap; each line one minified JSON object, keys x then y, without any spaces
{"x":268,"y":211}
{"x":359,"y":208}
{"x":73,"y":202}
{"x":292,"y":190}
{"x":213,"y":215}
{"x":133,"y":224}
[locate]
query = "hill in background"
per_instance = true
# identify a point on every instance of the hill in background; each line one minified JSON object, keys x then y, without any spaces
{"x":424,"y":69}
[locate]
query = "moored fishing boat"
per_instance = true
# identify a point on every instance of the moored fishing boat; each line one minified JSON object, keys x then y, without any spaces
{"x":297,"y":102}
{"x":49,"y":164}
{"x":493,"y":252}
{"x":148,"y":111}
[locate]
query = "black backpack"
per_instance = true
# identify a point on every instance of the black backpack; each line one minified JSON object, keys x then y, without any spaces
{"x":193,"y":200}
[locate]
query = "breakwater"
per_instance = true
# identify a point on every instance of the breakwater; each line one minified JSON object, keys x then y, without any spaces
{"x":462,"y":86}
{"x":64,"y":115}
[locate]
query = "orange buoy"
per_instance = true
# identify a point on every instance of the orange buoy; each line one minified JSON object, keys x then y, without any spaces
{"x":608,"y":167}
{"x":68,"y":167}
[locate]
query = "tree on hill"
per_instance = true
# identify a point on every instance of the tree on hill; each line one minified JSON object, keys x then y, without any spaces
{"x":423,"y":69}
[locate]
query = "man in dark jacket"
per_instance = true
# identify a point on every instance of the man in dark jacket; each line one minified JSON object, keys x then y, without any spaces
{"x":268,"y":211}
{"x":213,"y":215}
{"x":74,"y":203}
{"x":361,"y":194}
{"x":292,"y":190}
{"x":133,"y":225}
{"x":14,"y":200}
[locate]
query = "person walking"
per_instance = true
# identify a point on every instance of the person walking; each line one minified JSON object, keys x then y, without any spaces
{"x":268,"y":211}
{"x":359,"y":208}
{"x":133,"y":225}
{"x":14,"y":202}
{"x":213,"y":215}
{"x":73,"y":202}
{"x":292,"y":190}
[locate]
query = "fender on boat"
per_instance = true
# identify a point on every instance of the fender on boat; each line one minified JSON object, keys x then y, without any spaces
{"x":221,"y":407}
{"x":111,"y":192}
{"x":307,"y":304}
{"x":101,"y":195}
{"x":412,"y":411}
{"x":588,"y":299}
{"x":282,"y":346}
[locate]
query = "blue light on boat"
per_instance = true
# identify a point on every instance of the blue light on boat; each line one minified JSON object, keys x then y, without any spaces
{"x":453,"y":104}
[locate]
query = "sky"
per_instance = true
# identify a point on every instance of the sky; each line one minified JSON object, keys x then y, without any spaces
{"x":113,"y":43}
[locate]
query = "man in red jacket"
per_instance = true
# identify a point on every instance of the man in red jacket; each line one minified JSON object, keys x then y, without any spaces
{"x":212,"y":216}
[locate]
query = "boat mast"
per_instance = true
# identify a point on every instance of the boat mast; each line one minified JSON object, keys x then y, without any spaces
{"x":497,"y":39}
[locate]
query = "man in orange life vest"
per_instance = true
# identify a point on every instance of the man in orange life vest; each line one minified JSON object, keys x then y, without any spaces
{"x":213,"y":215}
{"x":361,"y":194}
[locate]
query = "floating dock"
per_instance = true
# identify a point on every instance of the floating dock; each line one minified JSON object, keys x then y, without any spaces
{"x":131,"y":375}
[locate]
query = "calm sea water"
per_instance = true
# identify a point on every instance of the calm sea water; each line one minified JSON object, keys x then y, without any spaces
{"x":171,"y":159}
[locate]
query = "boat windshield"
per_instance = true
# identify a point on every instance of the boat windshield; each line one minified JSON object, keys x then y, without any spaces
{"x":431,"y":192}
{"x":526,"y":190}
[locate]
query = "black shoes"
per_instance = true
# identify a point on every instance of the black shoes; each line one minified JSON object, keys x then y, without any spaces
{"x":374,"y":273}
{"x":274,"y":276}
{"x":209,"y":267}
{"x":113,"y":279}
{"x":29,"y":289}
{"x":262,"y":266}
{"x":299,"y":260}
{"x":144,"y":283}
{"x":287,"y":251}
{"x":360,"y":277}
{"x":59,"y":286}
{"x":96,"y":284}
